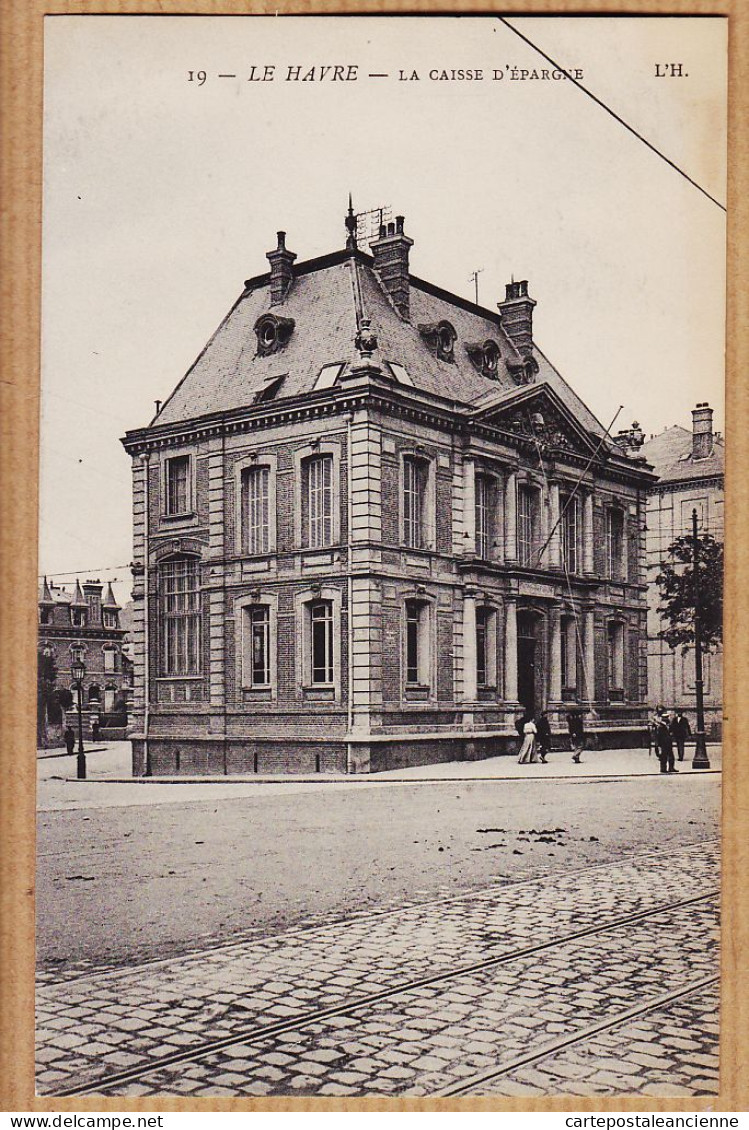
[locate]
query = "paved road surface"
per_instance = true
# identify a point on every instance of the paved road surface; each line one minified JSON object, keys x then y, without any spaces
{"x":503,"y":990}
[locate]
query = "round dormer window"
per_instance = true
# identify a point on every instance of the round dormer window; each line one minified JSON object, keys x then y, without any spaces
{"x":445,"y":340}
{"x":491,"y":358}
{"x":268,"y":335}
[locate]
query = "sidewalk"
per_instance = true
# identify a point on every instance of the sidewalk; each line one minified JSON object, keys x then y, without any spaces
{"x":109,"y":783}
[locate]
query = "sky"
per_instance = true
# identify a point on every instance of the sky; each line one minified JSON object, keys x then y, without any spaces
{"x":163,"y":193}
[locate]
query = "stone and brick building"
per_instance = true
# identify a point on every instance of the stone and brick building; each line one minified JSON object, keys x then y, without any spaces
{"x":372,"y":523}
{"x":690,"y":469}
{"x":81,"y":623}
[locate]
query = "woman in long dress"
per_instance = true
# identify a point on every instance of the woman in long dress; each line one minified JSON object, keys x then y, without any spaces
{"x":528,"y":748}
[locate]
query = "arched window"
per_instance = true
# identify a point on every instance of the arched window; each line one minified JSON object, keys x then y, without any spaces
{"x":179,"y":616}
{"x":94,"y":693}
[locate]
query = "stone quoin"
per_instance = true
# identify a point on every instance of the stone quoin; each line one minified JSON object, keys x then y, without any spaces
{"x":372,"y":524}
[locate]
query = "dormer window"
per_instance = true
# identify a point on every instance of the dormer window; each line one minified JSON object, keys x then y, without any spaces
{"x":440,"y":337}
{"x":484,"y":357}
{"x":270,"y":390}
{"x":272,"y":333}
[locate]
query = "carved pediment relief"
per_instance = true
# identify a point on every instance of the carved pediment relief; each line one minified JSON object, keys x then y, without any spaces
{"x":540,"y":419}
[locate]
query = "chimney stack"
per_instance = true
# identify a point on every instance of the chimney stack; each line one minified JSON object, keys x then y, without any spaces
{"x":390,"y":251}
{"x":702,"y":431}
{"x":517,"y":317}
{"x":281,"y":270}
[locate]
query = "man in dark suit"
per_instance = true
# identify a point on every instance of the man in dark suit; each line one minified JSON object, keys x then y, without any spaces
{"x":664,"y":743}
{"x":543,"y":735}
{"x":680,"y":731}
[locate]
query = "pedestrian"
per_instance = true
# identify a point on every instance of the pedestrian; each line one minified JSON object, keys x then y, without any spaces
{"x":528,"y":748}
{"x":543,"y":735}
{"x":576,"y":731}
{"x":95,"y":729}
{"x":69,"y":740}
{"x":680,"y":731}
{"x":663,"y":743}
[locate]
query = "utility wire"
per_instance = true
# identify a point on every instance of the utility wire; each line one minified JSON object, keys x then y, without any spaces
{"x":612,"y":113}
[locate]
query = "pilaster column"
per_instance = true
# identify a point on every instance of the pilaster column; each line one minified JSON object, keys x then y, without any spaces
{"x":469,"y":506}
{"x":555,"y":532}
{"x":588,"y":560}
{"x":511,"y":518}
{"x":589,"y":667}
{"x":470,"y":683}
{"x":511,"y":650}
{"x":555,"y":658}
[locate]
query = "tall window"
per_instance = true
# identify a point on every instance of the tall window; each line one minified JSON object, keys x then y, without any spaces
{"x":78,"y":617}
{"x":527,"y":511}
{"x":484,"y":516}
{"x":77,"y":655}
{"x":255,"y":509}
{"x":110,"y":659}
{"x":45,"y":615}
{"x":179,"y":616}
{"x":615,"y":543}
{"x":415,"y":474}
{"x":616,"y":656}
{"x":110,"y":619}
{"x":417,"y":643}
{"x":319,"y":475}
{"x":569,"y":653}
{"x":259,"y":628}
{"x":177,"y":484}
{"x":321,"y":614}
{"x":485,"y":647}
{"x":568,"y":508}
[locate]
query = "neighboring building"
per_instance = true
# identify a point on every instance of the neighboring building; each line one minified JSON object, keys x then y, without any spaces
{"x":690,"y":469}
{"x":372,"y":523}
{"x":80,"y":624}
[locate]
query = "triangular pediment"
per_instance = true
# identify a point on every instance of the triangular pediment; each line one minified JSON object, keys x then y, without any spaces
{"x":538,"y":414}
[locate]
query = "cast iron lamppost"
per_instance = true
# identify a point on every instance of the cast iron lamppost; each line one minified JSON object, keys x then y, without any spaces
{"x":78,"y":671}
{"x":700,"y":759}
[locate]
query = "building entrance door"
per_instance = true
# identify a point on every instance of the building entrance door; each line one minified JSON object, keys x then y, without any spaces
{"x":528,"y":661}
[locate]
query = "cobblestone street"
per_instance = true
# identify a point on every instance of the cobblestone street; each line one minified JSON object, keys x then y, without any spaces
{"x":588,"y":981}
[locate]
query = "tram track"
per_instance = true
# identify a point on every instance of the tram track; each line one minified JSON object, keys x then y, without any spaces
{"x":255,"y":1034}
{"x":256,"y":936}
{"x":474,"y":1084}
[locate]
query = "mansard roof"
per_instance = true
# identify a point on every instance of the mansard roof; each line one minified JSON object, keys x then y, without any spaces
{"x":321,"y":313}
{"x":672,"y":457}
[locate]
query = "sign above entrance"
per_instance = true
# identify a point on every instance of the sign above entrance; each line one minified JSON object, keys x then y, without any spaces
{"x":528,"y":588}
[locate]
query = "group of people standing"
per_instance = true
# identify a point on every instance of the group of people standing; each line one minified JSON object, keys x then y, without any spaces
{"x":666,"y":730}
{"x":535,"y":732}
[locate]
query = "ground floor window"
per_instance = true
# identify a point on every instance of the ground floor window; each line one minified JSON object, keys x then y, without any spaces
{"x":616,"y":656}
{"x":486,"y":647}
{"x":321,"y":616}
{"x":417,"y":644}
{"x":259,"y":628}
{"x":569,"y":653}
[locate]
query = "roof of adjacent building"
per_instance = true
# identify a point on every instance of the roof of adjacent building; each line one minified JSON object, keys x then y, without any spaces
{"x":326,"y":300}
{"x":670,"y":453}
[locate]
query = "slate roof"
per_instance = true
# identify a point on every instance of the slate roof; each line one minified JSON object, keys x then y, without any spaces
{"x":322,"y":300}
{"x":670,"y":453}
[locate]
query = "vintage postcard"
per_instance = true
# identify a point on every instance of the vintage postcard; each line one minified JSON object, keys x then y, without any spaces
{"x":380,"y":615}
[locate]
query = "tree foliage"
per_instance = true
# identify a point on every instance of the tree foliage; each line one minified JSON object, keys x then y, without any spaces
{"x":678,"y":592}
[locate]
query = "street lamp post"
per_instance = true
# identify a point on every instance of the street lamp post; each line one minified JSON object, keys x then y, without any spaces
{"x":700,"y":759}
{"x":78,"y":671}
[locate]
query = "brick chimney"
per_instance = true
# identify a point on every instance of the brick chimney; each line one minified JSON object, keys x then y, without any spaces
{"x":517,"y":317}
{"x":390,"y":252}
{"x":281,"y":270}
{"x":702,"y":431}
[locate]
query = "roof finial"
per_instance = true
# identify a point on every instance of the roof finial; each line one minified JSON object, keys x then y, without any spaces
{"x":351,"y":226}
